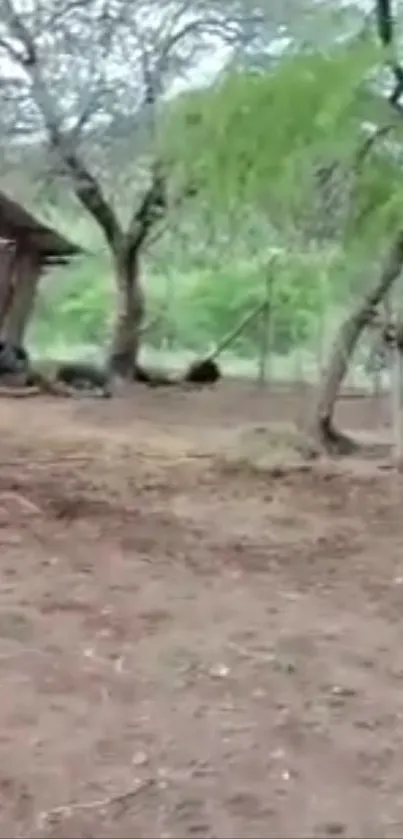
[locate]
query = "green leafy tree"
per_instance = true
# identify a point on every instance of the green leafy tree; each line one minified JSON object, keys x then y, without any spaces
{"x":312,"y":146}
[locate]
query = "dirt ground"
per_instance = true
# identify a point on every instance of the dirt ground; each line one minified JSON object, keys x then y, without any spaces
{"x":199,"y":637}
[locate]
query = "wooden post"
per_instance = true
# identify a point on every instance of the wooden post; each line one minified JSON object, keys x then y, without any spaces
{"x":27,"y":273}
{"x":323,"y":318}
{"x":262,"y":356}
{"x":266,"y":322}
{"x":168,"y":340}
{"x":7,"y":277}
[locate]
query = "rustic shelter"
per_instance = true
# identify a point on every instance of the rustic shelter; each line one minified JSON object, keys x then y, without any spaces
{"x":27,"y":248}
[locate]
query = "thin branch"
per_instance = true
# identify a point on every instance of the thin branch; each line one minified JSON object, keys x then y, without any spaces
{"x":364,"y":150}
{"x":176,"y":205}
{"x":96,"y":65}
{"x":8,"y":47}
{"x":149,"y":80}
{"x":88,"y":191}
{"x":212,"y":24}
{"x":68,"y":8}
{"x":151,"y":209}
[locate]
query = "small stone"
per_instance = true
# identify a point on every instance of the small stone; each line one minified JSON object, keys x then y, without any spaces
{"x":368,"y":725}
{"x":338,"y":690}
{"x":10,"y":539}
{"x":278,"y":754}
{"x":259,"y":693}
{"x":336,"y":701}
{"x":219,"y":671}
{"x":334,"y":829}
{"x":119,"y":664}
{"x":139,"y":759}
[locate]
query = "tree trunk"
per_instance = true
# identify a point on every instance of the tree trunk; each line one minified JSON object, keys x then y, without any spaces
{"x":346,"y":341}
{"x":129,"y":317}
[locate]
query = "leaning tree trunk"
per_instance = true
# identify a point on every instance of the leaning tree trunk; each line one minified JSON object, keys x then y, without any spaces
{"x":346,"y":341}
{"x":129,"y":317}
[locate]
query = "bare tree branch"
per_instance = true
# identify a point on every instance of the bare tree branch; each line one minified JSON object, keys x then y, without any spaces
{"x":151,"y":209}
{"x":98,"y":97}
{"x":86,"y":186}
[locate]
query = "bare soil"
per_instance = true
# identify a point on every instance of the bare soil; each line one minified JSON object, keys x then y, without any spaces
{"x":199,"y":635}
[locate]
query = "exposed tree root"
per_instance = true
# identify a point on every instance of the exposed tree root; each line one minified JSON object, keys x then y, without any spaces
{"x":326,"y":440}
{"x":333,"y":441}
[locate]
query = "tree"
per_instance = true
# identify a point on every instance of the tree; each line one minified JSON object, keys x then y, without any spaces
{"x":325,"y":171}
{"x":87,"y":80}
{"x":350,"y":331}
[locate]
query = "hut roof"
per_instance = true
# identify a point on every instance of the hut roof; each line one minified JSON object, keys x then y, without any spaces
{"x":16,"y":223}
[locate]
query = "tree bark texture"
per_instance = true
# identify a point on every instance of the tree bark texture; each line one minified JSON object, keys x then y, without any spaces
{"x":346,"y":341}
{"x":7,"y":278}
{"x":129,"y":317}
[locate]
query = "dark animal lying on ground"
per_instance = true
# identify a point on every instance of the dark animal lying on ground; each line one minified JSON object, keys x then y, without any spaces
{"x":84,"y":376}
{"x":204,"y":372}
{"x":16,"y":370}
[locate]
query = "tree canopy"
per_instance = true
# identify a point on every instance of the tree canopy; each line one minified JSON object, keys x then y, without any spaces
{"x":309,"y":136}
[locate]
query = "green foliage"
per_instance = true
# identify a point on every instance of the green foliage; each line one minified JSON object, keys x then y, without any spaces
{"x":217,"y":302}
{"x":378,"y":209}
{"x":253,"y":137}
{"x":75,"y":309}
{"x":74,"y":305}
{"x":257,"y":140}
